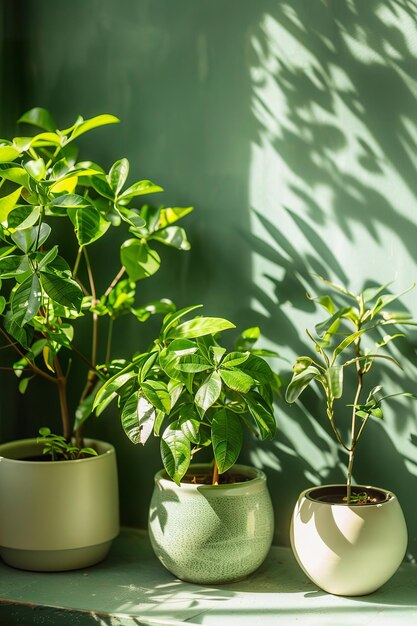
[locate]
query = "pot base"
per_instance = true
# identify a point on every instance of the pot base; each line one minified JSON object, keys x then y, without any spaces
{"x":55,"y":560}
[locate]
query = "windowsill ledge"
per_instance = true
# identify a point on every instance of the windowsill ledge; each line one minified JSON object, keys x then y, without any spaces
{"x":131,"y":588}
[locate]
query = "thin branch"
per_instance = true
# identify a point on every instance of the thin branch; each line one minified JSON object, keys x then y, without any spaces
{"x":115,"y":281}
{"x":63,"y":403}
{"x":34,"y":367}
{"x":77,"y":262}
{"x":109,"y":340}
{"x":94,"y":342}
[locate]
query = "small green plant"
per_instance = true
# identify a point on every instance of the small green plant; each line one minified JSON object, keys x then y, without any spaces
{"x":59,"y":449}
{"x":339,"y":346}
{"x":50,"y":195}
{"x":191,"y":392}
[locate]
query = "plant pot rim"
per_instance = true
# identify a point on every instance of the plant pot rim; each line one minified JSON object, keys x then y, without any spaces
{"x":389,"y":495}
{"x":256,"y":476}
{"x":108,"y":448}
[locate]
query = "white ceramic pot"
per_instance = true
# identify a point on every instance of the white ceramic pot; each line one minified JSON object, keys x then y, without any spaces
{"x":348,"y":550}
{"x":211,"y":534}
{"x":59,"y":515}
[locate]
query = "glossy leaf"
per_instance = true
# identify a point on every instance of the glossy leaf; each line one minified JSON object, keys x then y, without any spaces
{"x":29,"y":237}
{"x":172,"y":319}
{"x":118,"y":175}
{"x":386,"y":299}
{"x":169,"y":215}
{"x":139,"y":259}
{"x":227,"y":438}
{"x":234,"y":359}
{"x":324,"y":327}
{"x":335,"y":380}
{"x":262,"y":413}
{"x":193,"y":363}
{"x":39,"y":117}
{"x":182,"y":347}
{"x":200,"y":326}
{"x":247,"y":338}
{"x":140,"y":188}
{"x":15,"y":173}
{"x":190,"y":423}
{"x":8,"y":203}
{"x":172,"y":236}
{"x":236,"y":380}
{"x":175,"y":452}
{"x":65,"y":291}
{"x":94,"y":122}
{"x":8,"y":153}
{"x":11,"y":266}
{"x":299,"y":382}
{"x":36,"y":169}
{"x":70,"y":201}
{"x":138,"y":418}
{"x":23,"y":216}
{"x":110,"y":389}
{"x":87,"y":224}
{"x":209,"y":391}
{"x":156,"y":393}
{"x":346,"y":342}
{"x":26,"y":300}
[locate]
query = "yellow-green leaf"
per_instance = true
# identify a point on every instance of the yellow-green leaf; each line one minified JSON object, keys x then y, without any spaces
{"x":8,"y":203}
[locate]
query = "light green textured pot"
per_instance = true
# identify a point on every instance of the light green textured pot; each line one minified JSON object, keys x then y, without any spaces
{"x":57,"y":516}
{"x":211,"y":534}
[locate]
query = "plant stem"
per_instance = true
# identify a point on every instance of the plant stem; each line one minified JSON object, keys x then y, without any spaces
{"x":63,"y":402}
{"x":95,"y":316}
{"x":353,"y":426}
{"x":215,"y":475}
{"x":77,"y":262}
{"x":115,"y":281}
{"x":109,"y":340}
{"x":34,"y":367}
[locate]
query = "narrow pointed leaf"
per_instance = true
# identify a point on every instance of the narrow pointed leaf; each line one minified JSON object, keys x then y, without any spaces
{"x":172,"y":319}
{"x":140,"y":188}
{"x":262,"y":413}
{"x":26,"y":300}
{"x":335,"y":380}
{"x":200,"y":326}
{"x":234,"y":359}
{"x":94,"y":122}
{"x":156,"y":393}
{"x":109,"y":390}
{"x":118,"y":175}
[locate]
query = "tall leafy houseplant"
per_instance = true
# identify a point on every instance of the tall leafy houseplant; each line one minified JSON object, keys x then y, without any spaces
{"x":193,"y":393}
{"x":340,"y":346}
{"x":47,"y":189}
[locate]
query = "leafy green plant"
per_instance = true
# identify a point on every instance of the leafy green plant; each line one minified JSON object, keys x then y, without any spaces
{"x":191,"y":392}
{"x":340,"y":345}
{"x":50,"y":195}
{"x":59,"y":449}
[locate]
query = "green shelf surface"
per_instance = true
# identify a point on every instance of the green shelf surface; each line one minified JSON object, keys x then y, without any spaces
{"x":131,"y":588}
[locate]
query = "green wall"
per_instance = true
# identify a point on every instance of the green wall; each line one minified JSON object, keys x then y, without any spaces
{"x":291,"y":127}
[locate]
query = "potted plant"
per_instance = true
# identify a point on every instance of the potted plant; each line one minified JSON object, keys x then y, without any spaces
{"x":349,"y":539}
{"x":208,"y":523}
{"x":48,"y":297}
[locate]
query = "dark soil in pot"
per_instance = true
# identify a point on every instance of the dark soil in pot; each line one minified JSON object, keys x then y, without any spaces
{"x":228,"y":478}
{"x":336,"y":494}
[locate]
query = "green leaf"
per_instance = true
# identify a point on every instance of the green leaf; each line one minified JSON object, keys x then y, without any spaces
{"x":192,"y":363}
{"x":102,"y":187}
{"x":87,"y":224}
{"x":26,"y":300}
{"x":140,"y":188}
{"x":258,"y":369}
{"x":330,"y":323}
{"x":336,"y":287}
{"x":335,"y":380}
{"x":237,"y":380}
{"x":45,"y":259}
{"x":38,"y":117}
{"x":182,"y":347}
{"x":138,"y":418}
{"x":156,"y":393}
{"x":346,"y":342}
{"x":262,"y":413}
{"x":200,"y":326}
{"x":8,"y":153}
{"x":172,"y":319}
{"x":85,"y":407}
{"x":175,"y":452}
{"x":299,"y":382}
{"x":227,"y":438}
{"x":70,"y":201}
{"x":15,"y":173}
{"x":385,"y":300}
{"x":169,"y":215}
{"x":118,"y":175}
{"x":130,"y":217}
{"x":26,"y":239}
{"x":209,"y":392}
{"x":94,"y":122}
{"x":110,"y":389}
{"x":36,"y":169}
{"x":247,"y":338}
{"x":371,"y":293}
{"x":23,"y":216}
{"x":139,"y":259}
{"x":11,"y":266}
{"x":65,"y":291}
{"x":325,"y":301}
{"x":8,"y":203}
{"x":190,"y":423}
{"x":172,"y":236}
{"x":233,"y":359}
{"x":2,"y":304}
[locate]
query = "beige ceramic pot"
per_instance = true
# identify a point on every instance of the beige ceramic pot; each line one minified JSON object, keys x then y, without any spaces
{"x":57,"y":515}
{"x":210,"y":534}
{"x":348,"y":550}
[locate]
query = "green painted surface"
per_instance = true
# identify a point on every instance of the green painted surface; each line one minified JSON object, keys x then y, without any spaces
{"x":291,"y":126}
{"x":131,"y":587}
